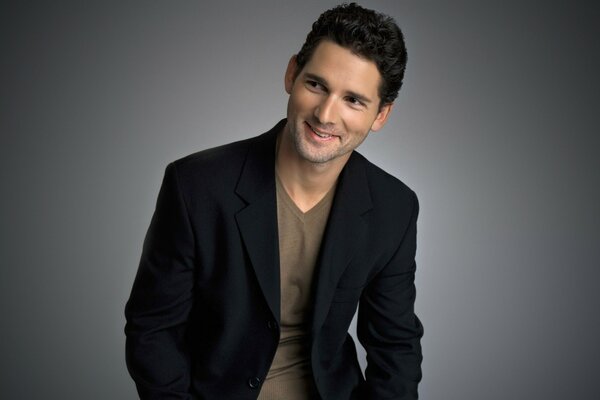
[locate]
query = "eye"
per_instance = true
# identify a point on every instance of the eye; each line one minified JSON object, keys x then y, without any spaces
{"x":314,"y":86}
{"x":354,"y":101}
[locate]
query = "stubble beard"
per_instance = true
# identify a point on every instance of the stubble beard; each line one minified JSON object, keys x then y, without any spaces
{"x":311,"y":154}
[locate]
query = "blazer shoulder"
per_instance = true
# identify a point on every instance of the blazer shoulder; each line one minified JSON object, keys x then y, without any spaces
{"x":215,"y":157}
{"x":218,"y":169}
{"x":211,"y":170}
{"x":386,"y":188}
{"x":218,"y":161}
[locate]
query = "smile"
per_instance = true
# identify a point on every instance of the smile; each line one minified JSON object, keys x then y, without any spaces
{"x":320,"y":134}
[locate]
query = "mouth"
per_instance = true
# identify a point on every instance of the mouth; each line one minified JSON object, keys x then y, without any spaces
{"x":320,"y":134}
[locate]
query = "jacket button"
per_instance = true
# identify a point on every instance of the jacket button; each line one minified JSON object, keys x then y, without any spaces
{"x":272,"y":325}
{"x":254,"y":382}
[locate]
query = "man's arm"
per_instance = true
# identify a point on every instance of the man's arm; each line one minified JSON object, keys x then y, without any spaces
{"x":388,"y":328}
{"x":160,"y":301}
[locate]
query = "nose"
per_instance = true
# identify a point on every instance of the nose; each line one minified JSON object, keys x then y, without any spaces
{"x":325,"y":111}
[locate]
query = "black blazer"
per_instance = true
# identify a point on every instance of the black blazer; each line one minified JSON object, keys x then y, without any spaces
{"x":203,"y":316}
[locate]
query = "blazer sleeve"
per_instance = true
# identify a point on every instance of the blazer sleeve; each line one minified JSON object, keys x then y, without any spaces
{"x":161,"y":298}
{"x":388,"y":328}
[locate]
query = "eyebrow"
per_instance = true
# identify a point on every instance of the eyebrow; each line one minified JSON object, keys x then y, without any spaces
{"x":350,"y":93}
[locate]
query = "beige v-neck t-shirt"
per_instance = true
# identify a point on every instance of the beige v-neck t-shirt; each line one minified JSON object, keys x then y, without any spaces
{"x":300,"y":234}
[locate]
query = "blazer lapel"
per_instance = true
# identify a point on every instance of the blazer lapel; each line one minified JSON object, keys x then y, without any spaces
{"x":345,"y":230}
{"x":257,"y":222}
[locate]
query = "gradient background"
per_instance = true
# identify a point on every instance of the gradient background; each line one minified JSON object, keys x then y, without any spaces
{"x":496,"y":129}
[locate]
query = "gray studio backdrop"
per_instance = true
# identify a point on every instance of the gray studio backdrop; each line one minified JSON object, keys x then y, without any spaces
{"x":496,"y":129}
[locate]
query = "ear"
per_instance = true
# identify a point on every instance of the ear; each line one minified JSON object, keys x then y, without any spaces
{"x":382,"y":117}
{"x":290,"y":75}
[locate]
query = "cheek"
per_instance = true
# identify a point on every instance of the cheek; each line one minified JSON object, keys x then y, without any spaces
{"x":294,"y":103}
{"x":356,"y":121}
{"x":364,"y":121}
{"x":304,"y":99}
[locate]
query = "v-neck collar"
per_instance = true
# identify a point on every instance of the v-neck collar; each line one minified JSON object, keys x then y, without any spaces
{"x":308,"y":215}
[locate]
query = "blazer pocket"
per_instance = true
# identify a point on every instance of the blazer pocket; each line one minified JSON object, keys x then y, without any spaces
{"x":346,"y":294}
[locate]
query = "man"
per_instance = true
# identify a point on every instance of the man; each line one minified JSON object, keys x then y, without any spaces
{"x":260,"y":251}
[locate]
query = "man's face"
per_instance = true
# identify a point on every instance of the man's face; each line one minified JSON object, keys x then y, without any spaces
{"x":333,"y":103}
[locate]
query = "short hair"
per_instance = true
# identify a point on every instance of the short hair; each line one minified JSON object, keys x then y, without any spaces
{"x":368,"y":34}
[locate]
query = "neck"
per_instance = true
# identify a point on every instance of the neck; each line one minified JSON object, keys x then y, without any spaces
{"x":305,"y":182}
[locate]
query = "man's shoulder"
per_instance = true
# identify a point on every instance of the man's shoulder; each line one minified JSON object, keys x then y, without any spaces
{"x":392,"y":205}
{"x":225,"y":154}
{"x":210,"y":169}
{"x":384,"y":186}
{"x":220,"y":167}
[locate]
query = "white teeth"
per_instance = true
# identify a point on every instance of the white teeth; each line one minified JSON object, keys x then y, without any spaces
{"x":322,"y":135}
{"x":319,"y":134}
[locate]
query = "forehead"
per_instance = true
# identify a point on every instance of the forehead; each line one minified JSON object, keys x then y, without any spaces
{"x":342,"y":68}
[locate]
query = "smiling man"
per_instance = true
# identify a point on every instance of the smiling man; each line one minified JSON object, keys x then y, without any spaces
{"x":260,"y":252}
